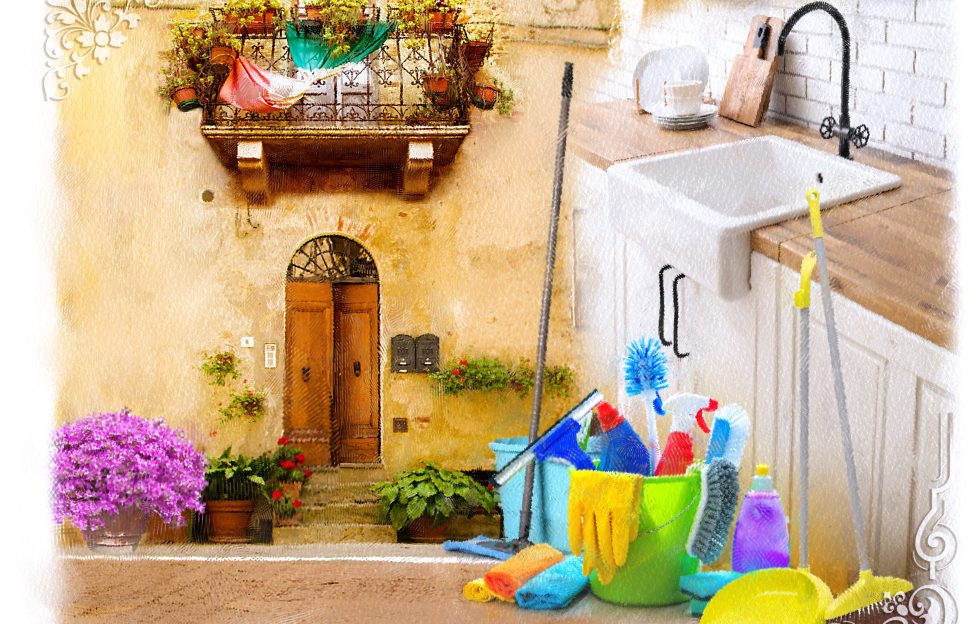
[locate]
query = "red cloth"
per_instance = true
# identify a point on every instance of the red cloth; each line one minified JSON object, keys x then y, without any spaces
{"x":678,"y":455}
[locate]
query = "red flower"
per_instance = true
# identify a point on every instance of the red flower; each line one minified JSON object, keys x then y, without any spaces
{"x":463,"y":362}
{"x":299,"y":458}
{"x":456,"y":372}
{"x":283,"y":441}
{"x":307,"y":474}
{"x":277,"y":494}
{"x":213,"y":434}
{"x":297,"y":503}
{"x":288,"y":465}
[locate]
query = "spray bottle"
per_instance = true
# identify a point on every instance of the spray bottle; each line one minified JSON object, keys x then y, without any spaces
{"x":626,"y":451}
{"x":761,"y":535}
{"x":687,"y":410}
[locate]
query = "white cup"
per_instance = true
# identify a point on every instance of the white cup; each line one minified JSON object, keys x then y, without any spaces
{"x":683,"y":97}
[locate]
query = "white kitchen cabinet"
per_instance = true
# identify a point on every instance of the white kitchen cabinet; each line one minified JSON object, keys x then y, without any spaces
{"x":899,"y":388}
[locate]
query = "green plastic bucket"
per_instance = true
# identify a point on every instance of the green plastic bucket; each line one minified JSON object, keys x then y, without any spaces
{"x":657,"y":557}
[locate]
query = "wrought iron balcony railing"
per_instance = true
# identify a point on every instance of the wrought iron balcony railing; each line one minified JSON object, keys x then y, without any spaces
{"x":385,"y":89}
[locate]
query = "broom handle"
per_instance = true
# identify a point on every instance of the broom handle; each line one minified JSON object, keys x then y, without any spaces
{"x":548,"y":283}
{"x":840,"y":390}
{"x":803,"y":359}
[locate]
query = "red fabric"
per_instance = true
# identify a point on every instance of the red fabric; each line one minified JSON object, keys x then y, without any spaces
{"x":251,"y":88}
{"x":678,"y":455}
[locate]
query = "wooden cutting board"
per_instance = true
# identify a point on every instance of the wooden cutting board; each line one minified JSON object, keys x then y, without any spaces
{"x":751,"y":78}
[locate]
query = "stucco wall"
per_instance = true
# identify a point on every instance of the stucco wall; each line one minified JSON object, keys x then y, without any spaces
{"x":149,"y":276}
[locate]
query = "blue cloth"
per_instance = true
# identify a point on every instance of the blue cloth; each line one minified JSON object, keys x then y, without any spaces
{"x":472,"y":547}
{"x":697,"y":607}
{"x":705,"y":585}
{"x":555,"y":587}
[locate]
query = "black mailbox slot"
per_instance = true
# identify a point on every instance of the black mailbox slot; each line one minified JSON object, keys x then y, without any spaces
{"x":427,"y":353}
{"x":402,"y":354}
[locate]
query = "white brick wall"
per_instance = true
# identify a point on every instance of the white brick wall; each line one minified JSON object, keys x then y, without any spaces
{"x":902,"y":62}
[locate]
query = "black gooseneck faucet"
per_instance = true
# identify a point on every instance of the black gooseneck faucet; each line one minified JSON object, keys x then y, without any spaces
{"x":830,"y":127}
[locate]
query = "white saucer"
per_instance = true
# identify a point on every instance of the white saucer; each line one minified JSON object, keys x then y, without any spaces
{"x":662,"y":113}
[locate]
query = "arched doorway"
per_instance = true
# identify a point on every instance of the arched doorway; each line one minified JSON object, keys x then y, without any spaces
{"x":332,"y":354}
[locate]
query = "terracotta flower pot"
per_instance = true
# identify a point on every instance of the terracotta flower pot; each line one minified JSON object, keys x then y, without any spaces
{"x":185,"y":98}
{"x":223,"y":56}
{"x":423,"y":531}
{"x":441,"y":23}
{"x":200,"y":32}
{"x":228,"y":521}
{"x":485,"y":96}
{"x":314,"y":12}
{"x":436,"y":87}
{"x":292,"y":491}
{"x":252,"y":23}
{"x":475,"y":53}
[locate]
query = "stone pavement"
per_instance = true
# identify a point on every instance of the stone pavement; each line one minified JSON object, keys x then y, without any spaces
{"x":199,"y":583}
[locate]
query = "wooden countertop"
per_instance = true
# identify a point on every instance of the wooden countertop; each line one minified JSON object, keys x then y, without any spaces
{"x":892,"y":253}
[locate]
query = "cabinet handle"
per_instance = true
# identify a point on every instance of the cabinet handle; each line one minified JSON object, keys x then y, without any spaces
{"x":675,"y":317}
{"x":305,"y":373}
{"x":662,"y":306}
{"x":356,"y":369}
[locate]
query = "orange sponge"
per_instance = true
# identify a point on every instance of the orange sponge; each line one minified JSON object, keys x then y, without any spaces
{"x":504,"y":579}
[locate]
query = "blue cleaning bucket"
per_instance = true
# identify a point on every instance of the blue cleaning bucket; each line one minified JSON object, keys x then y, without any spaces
{"x":551,"y":488}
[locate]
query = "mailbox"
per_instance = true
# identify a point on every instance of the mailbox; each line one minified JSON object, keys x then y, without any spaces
{"x":402,"y":354}
{"x":427,"y":353}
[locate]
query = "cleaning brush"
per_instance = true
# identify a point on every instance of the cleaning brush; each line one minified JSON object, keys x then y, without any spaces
{"x":718,"y":504}
{"x":731,"y":427}
{"x":646,"y":373}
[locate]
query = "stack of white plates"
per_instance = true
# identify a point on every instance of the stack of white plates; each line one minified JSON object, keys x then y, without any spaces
{"x":670,"y":121}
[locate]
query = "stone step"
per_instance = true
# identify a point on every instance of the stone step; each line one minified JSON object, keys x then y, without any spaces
{"x":339,"y":493}
{"x":341,"y":513}
{"x":349,"y":474}
{"x":334,"y":534}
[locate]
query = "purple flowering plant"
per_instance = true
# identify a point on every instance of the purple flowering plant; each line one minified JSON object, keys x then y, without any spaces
{"x":106,"y":462}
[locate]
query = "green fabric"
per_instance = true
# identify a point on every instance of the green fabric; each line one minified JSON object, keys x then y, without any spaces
{"x":309,"y":51}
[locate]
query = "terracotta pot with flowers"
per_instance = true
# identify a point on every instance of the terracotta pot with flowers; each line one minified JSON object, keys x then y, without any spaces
{"x":292,"y":475}
{"x":255,"y":17}
{"x":112,"y":470}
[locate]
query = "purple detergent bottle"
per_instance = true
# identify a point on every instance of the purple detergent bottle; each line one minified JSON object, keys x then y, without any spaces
{"x":761,"y":535}
{"x":626,"y":451}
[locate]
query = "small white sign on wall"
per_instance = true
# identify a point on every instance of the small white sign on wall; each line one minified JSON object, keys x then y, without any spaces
{"x":271,"y":355}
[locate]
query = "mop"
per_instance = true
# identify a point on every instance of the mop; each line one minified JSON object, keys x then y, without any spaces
{"x":523,"y":541}
{"x":869,"y":588}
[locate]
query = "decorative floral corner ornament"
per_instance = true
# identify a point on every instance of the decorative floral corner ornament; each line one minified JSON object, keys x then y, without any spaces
{"x":78,"y":31}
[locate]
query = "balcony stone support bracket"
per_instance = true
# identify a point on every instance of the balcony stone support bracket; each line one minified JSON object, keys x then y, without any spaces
{"x":253,"y":167}
{"x":417,"y":167}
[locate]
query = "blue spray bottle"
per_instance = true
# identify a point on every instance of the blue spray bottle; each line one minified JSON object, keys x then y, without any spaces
{"x":626,"y":451}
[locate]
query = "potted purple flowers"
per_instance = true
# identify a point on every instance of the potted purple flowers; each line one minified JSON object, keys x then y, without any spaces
{"x":112,"y":470}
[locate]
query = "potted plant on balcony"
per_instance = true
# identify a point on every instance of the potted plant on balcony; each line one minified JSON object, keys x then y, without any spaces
{"x":477,"y":44}
{"x":442,"y":15}
{"x":179,"y":83}
{"x":112,"y":470}
{"x":437,"y":85}
{"x":223,"y":48}
{"x":256,"y":17}
{"x":189,"y":40}
{"x":341,"y":19}
{"x":418,"y":502}
{"x":484,"y":96}
{"x":233,"y":485}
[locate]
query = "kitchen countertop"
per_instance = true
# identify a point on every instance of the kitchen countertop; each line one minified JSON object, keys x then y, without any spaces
{"x":892,"y":253}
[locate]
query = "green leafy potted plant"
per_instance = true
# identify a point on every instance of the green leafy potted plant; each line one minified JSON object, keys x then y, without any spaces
{"x":340,"y":21}
{"x":244,"y":404}
{"x":428,"y":115}
{"x":179,"y":83}
{"x":438,"y":85}
{"x":220,"y":366}
{"x":223,"y":48}
{"x":233,"y":484}
{"x":418,"y":502}
{"x":477,"y":44}
{"x":257,"y":17}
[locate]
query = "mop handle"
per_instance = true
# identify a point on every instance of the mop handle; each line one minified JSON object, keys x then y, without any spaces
{"x":548,"y":281}
{"x":802,"y":302}
{"x":840,"y":391}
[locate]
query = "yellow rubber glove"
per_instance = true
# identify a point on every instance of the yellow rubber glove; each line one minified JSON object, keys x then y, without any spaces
{"x":603,"y":517}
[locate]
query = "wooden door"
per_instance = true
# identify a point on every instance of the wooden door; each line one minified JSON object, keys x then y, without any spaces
{"x":309,"y":368}
{"x":356,"y":379}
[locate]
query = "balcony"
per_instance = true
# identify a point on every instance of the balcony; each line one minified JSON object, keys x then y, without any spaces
{"x":382,"y":111}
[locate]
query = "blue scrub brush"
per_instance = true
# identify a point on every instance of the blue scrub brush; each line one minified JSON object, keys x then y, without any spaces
{"x":646,"y":373}
{"x":718,"y":504}
{"x":731,"y":427}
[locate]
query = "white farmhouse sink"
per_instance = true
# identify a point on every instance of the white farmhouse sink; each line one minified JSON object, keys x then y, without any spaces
{"x":701,"y":205}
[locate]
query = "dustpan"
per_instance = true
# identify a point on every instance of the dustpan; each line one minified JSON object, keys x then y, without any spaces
{"x":782,"y":594}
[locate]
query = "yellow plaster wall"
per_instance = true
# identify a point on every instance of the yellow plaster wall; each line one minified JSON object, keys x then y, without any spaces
{"x":149,"y":276}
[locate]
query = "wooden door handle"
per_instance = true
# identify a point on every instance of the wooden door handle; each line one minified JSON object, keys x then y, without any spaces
{"x":306,"y":373}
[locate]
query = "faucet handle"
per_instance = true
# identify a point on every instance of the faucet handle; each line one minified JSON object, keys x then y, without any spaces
{"x":827,"y":129}
{"x":859,"y":136}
